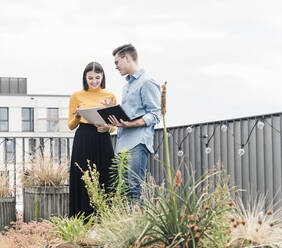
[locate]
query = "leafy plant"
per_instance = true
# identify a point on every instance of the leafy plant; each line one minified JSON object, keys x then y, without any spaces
{"x":96,"y":192}
{"x":74,"y":229}
{"x":99,"y":199}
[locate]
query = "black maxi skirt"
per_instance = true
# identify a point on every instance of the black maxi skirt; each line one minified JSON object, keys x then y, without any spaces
{"x":97,"y":147}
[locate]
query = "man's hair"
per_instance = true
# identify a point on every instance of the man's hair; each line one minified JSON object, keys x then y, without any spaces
{"x":126,"y":49}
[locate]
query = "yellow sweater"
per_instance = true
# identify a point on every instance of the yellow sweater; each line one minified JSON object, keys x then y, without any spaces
{"x":87,"y":99}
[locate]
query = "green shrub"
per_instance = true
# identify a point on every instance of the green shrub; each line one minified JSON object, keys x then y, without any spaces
{"x":74,"y":229}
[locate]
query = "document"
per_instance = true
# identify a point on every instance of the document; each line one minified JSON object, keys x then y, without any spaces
{"x":91,"y":115}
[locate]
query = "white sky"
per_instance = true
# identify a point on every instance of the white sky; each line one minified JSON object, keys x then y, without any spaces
{"x":222,"y":59}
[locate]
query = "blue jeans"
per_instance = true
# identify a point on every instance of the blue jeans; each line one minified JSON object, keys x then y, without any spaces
{"x":136,"y":170}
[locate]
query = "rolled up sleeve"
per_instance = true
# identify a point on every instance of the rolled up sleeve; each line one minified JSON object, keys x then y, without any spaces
{"x":151,"y":99}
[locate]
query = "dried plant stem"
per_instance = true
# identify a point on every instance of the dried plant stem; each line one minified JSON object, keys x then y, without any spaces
{"x":167,"y":154}
{"x":4,"y":185}
{"x":163,"y":104}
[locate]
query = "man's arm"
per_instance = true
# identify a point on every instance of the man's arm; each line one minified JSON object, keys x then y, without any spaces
{"x":151,"y":99}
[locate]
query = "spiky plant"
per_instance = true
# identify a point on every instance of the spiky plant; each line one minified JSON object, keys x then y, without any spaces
{"x":181,"y":216}
{"x":187,"y":219}
{"x":118,"y":169}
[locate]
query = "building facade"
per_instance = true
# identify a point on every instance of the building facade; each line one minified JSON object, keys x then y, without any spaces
{"x":23,"y":114}
{"x":30,"y":116}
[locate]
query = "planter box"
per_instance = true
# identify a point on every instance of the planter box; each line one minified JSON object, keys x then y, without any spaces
{"x":7,"y":211}
{"x":45,"y":202}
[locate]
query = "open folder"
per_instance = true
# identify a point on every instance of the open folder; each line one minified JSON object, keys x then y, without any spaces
{"x":117,"y":111}
{"x":101,"y":115}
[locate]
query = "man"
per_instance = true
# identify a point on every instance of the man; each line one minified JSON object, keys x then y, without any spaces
{"x":141,"y":97}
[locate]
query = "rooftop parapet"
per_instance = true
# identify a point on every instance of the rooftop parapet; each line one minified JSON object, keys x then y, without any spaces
{"x":13,"y":86}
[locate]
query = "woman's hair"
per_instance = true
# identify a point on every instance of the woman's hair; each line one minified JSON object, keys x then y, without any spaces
{"x":96,"y":67}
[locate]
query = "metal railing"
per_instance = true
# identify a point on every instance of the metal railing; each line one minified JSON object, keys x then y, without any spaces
{"x":258,"y":169}
{"x":249,"y":149}
{"x":19,"y":152}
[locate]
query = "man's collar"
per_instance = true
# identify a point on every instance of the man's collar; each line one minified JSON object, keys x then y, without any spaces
{"x":135,"y":75}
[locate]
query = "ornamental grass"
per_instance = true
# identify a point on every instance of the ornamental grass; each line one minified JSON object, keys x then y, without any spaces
{"x":5,"y":190}
{"x":44,"y":171}
{"x":255,"y":225}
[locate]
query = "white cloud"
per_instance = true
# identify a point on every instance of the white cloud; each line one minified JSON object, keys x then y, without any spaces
{"x":222,"y":54}
{"x":261,"y":84}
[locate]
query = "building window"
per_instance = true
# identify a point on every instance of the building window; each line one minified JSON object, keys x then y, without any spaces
{"x":52,"y":120}
{"x":4,"y":120}
{"x":10,"y":151}
{"x":28,"y":119}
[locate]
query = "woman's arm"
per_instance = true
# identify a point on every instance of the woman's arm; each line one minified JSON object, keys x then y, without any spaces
{"x":74,"y":118}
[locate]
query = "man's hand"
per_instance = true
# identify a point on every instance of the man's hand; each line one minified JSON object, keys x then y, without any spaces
{"x":109,"y":103}
{"x":102,"y":128}
{"x":119,"y":123}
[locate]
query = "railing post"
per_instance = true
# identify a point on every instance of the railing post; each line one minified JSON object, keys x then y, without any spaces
{"x":15,"y":168}
{"x":41,"y":148}
{"x":59,"y":150}
{"x":5,"y":154}
{"x":68,"y":149}
{"x":23,"y":155}
{"x":51,"y":148}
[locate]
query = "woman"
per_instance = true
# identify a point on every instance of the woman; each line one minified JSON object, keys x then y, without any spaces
{"x":91,"y":142}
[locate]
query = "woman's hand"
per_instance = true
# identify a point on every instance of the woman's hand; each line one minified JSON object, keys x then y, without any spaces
{"x":102,"y":128}
{"x":109,"y":103}
{"x":76,"y":114}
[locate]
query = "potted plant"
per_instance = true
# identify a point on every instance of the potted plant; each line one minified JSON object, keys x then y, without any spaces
{"x":7,"y":201}
{"x":45,"y":189}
